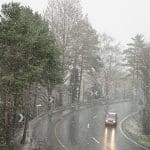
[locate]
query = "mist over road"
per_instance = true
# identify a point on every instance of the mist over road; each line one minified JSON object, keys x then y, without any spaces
{"x":85,"y":130}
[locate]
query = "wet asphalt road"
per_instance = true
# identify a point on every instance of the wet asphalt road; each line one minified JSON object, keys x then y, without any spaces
{"x":84,"y":130}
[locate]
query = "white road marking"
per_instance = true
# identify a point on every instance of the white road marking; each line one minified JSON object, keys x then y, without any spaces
{"x":59,"y":141}
{"x":88,"y":125}
{"x":95,"y":140}
{"x":128,"y":138}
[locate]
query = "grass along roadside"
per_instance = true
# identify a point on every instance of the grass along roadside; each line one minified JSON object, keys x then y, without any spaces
{"x":133,"y":130}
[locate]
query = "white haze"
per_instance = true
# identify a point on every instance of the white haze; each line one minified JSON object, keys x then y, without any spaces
{"x":121,"y":19}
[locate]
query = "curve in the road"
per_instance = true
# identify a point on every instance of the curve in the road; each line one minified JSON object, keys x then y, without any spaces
{"x":59,"y":141}
{"x":65,"y":147}
{"x":125,"y":135}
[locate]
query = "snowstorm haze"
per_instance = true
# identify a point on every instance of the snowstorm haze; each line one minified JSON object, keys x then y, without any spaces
{"x":121,"y":19}
{"x":75,"y":75}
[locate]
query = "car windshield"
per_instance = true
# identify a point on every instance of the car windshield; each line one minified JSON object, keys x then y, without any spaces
{"x":111,"y":115}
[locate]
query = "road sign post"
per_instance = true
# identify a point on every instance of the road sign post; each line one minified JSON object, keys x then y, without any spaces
{"x":37,"y":109}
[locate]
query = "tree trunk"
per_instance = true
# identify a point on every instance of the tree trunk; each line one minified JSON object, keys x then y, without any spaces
{"x":146,"y":110}
{"x":8,"y":118}
{"x":146,"y":120}
{"x":27,"y":111}
{"x":80,"y":79}
{"x":60,"y":99}
{"x":74,"y":82}
{"x":35,"y":98}
{"x":25,"y":130}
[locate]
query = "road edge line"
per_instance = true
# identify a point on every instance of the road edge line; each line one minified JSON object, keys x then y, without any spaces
{"x":55,"y":131}
{"x":94,"y":139}
{"x":59,"y":141}
{"x":125,"y":135}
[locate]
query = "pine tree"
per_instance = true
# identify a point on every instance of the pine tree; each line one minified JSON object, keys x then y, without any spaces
{"x":138,"y":56}
{"x":28,"y":50}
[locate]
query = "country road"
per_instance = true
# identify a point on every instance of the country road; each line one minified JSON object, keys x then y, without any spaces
{"x":85,"y":130}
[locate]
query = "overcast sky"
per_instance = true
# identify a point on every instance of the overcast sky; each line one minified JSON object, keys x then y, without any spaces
{"x":121,"y":19}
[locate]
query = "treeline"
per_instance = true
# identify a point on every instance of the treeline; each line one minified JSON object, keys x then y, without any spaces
{"x":138,"y":58}
{"x":29,"y":54}
{"x":90,"y":60}
{"x":60,"y":52}
{"x":79,"y":42}
{"x":42,"y":51}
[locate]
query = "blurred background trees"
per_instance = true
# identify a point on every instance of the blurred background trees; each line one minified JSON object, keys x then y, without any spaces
{"x":138,"y":59}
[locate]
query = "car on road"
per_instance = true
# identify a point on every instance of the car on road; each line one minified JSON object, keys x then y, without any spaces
{"x":111,"y":119}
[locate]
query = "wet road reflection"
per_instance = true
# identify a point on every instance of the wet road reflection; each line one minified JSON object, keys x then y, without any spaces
{"x":109,"y":139}
{"x":73,"y":128}
{"x":85,"y":130}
